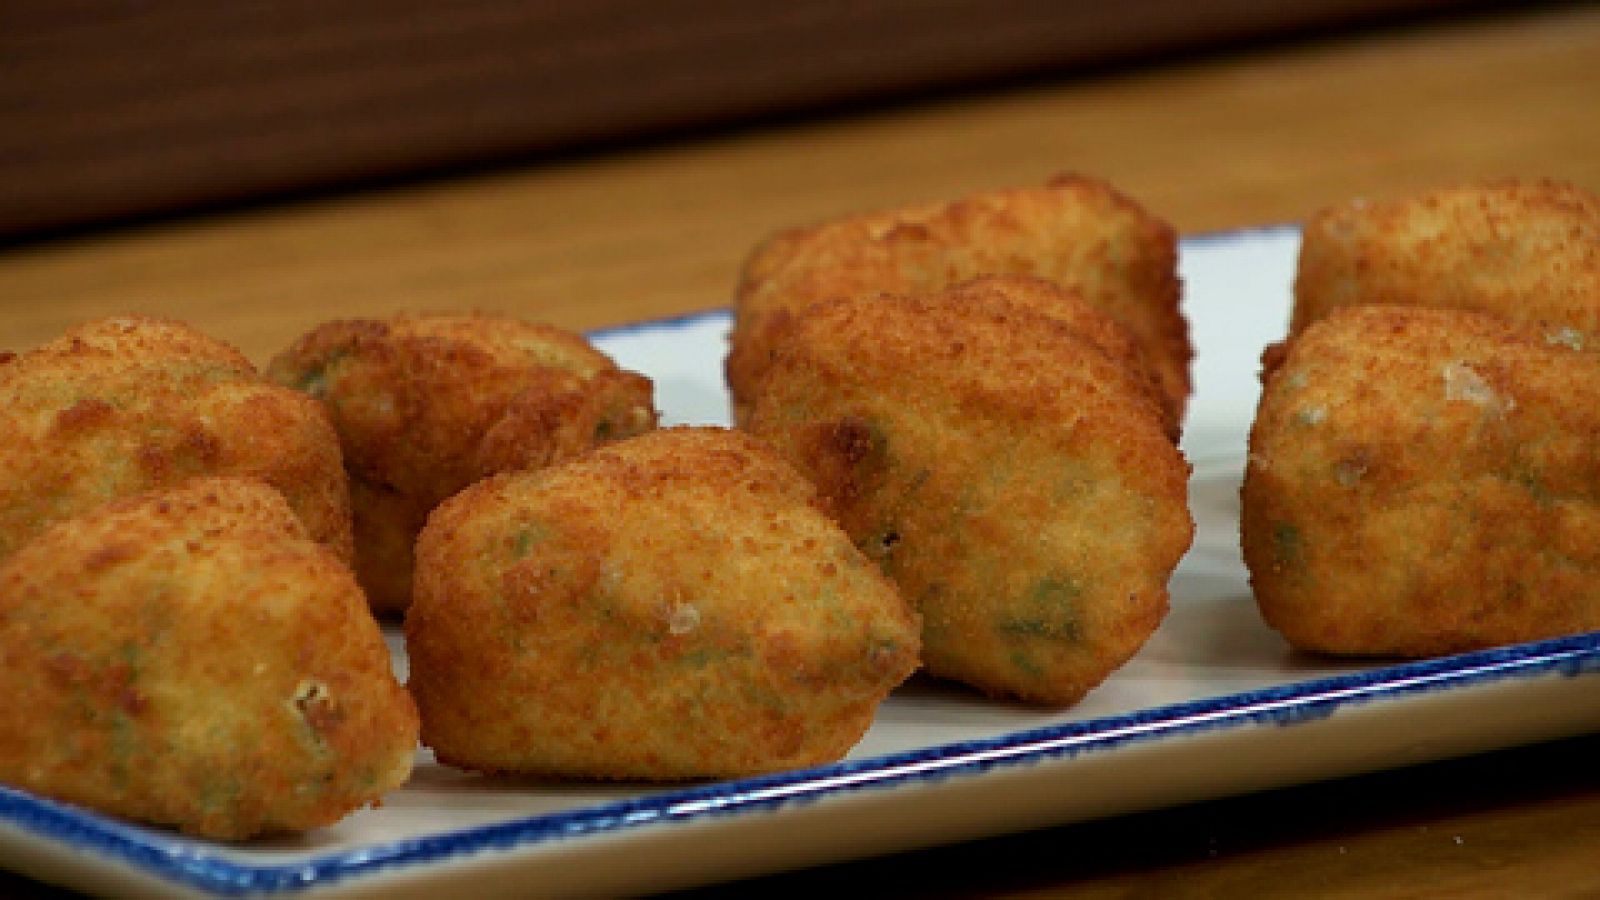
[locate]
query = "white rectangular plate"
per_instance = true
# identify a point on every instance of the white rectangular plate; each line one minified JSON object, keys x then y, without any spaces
{"x":1214,"y":704}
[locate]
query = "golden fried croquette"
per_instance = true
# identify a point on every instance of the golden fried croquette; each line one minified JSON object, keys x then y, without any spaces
{"x":1068,"y":307}
{"x":189,"y":657}
{"x":1075,"y":231}
{"x":122,"y":405}
{"x":427,"y":404}
{"x":671,"y":606}
{"x":1526,"y":250}
{"x":1007,"y":473}
{"x":1424,"y":481}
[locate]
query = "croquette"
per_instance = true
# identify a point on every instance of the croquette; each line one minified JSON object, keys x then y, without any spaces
{"x":188,"y":657}
{"x":1076,"y":231}
{"x":131,"y":403}
{"x":672,"y":606}
{"x":1068,"y":307}
{"x":1012,"y":477}
{"x":424,"y":405}
{"x":1424,"y":481}
{"x":1525,"y":250}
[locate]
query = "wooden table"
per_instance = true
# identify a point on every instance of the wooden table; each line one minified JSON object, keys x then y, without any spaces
{"x":1210,"y":142}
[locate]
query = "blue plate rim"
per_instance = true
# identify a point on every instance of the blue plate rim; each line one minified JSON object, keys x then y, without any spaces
{"x":181,"y":862}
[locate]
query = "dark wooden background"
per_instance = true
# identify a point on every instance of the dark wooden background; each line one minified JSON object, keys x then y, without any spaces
{"x":117,"y":109}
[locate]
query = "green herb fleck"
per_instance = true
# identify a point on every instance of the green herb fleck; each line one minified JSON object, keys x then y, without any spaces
{"x":1049,"y":611}
{"x":523,"y":540}
{"x":1287,"y":544}
{"x":315,"y":380}
{"x":1528,"y":479}
{"x":1025,"y":664}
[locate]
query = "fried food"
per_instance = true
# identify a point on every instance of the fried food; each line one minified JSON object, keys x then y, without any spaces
{"x":1424,"y":481}
{"x":127,"y":404}
{"x":1011,"y":476}
{"x":427,"y":404}
{"x":671,"y":606}
{"x":1075,"y":231}
{"x":1069,"y":308}
{"x":189,"y":657}
{"x":1526,"y":250}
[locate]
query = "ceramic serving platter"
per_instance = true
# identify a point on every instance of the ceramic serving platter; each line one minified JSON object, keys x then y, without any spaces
{"x":1214,"y":704}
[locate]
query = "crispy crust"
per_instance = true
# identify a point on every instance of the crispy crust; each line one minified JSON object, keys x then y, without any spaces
{"x":1525,"y":250}
{"x":427,"y":404}
{"x":1425,"y":481}
{"x":190,"y":658}
{"x":127,"y":404}
{"x":1069,"y":308}
{"x":671,"y":606}
{"x":1076,"y":231}
{"x":1013,"y":478}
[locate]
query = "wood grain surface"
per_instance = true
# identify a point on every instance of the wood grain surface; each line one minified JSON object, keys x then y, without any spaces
{"x":1211,"y":142}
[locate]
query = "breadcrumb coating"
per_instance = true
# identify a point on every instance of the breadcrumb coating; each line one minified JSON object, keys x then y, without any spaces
{"x":131,"y":403}
{"x":672,"y":606}
{"x":1424,"y":481}
{"x":1014,"y":478}
{"x":189,"y":657}
{"x":1076,"y":231}
{"x":427,"y":404}
{"x":1527,"y":250}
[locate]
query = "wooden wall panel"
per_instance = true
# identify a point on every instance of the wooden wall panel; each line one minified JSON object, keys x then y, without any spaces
{"x":114,"y":109}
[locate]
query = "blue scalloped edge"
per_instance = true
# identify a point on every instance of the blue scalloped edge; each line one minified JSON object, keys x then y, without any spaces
{"x":158,"y":855}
